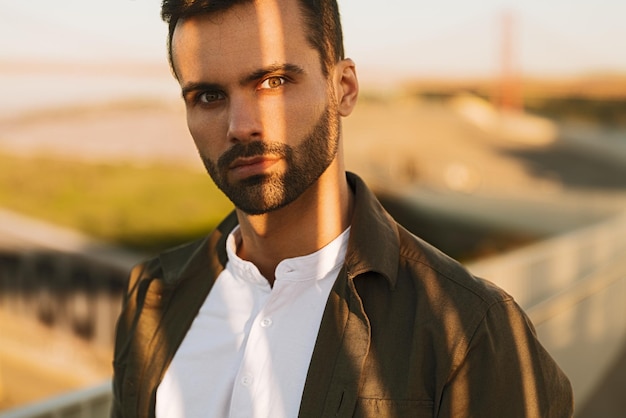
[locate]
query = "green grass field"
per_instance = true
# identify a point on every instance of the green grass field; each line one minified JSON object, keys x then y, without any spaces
{"x":143,"y":208}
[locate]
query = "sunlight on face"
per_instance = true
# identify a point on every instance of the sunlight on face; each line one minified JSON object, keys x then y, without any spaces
{"x":260,"y":194}
{"x":259,"y":106}
{"x":271,"y":37}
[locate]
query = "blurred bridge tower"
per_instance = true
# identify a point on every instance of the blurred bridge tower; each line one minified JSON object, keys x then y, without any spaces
{"x":508,"y":94}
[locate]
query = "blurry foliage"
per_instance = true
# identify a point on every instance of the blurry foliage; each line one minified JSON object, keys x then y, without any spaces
{"x":143,"y":208}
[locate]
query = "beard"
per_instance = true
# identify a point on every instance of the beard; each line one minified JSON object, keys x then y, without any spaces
{"x":305,"y":163}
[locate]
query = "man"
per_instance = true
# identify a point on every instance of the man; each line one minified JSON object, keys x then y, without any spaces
{"x":308,"y":300}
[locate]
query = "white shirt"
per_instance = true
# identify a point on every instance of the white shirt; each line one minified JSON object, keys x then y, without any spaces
{"x":248,"y":350}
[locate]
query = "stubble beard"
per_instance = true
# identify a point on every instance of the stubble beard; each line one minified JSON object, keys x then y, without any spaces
{"x":305,"y":164}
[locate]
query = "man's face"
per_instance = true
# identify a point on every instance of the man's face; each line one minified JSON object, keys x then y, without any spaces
{"x":262,"y":114}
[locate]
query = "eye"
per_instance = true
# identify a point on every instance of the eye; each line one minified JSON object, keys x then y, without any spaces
{"x":273,"y":82}
{"x":209,"y":97}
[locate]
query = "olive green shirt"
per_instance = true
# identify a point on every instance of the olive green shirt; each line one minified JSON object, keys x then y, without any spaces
{"x":406,"y":331}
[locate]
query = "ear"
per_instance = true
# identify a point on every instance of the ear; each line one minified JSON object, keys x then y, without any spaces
{"x":346,"y":86}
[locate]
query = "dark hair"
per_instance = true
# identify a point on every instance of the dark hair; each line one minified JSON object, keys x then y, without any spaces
{"x":320,"y":16}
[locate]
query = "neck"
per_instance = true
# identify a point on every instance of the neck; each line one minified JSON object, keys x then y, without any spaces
{"x":304,"y":226}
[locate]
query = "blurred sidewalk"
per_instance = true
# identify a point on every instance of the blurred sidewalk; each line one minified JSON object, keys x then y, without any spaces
{"x":37,"y":362}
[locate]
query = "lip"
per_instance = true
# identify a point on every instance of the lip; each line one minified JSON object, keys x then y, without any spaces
{"x":246,"y":167}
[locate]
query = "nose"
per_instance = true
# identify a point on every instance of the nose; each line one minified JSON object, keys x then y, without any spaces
{"x":244,"y":122}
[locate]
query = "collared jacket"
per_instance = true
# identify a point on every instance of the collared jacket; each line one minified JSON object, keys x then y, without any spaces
{"x":406,"y":331}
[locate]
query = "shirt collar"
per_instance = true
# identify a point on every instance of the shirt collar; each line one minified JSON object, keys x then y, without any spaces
{"x":373,"y":245}
{"x":206,"y":256}
{"x":314,"y":266}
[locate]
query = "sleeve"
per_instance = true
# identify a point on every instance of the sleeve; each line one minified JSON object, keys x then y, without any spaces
{"x":506,"y":372}
{"x":124,"y":330}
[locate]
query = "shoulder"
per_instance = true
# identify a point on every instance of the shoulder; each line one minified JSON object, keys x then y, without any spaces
{"x":455,"y":308}
{"x":429,"y":266}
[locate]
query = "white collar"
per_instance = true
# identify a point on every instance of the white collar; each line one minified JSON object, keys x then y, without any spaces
{"x":314,"y":266}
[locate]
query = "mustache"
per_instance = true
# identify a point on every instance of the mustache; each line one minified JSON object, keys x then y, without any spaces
{"x":252,"y":149}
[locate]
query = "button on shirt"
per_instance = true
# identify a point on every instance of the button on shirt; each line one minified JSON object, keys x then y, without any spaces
{"x":248,"y":350}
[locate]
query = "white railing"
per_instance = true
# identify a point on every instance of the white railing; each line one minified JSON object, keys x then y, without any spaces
{"x":94,"y":402}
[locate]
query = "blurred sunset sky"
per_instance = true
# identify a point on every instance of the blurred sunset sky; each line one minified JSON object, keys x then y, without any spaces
{"x":390,"y":38}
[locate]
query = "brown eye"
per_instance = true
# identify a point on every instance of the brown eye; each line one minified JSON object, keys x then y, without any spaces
{"x":273,"y":82}
{"x":210,"y":97}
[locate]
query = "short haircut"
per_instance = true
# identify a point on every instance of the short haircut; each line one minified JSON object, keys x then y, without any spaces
{"x":321,"y":17}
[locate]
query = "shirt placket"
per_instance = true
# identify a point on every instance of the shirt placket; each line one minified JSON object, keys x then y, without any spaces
{"x":245,"y":401}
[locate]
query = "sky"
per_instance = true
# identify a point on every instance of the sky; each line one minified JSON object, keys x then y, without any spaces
{"x":387,"y":38}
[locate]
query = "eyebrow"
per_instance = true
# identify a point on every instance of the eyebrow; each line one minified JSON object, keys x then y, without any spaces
{"x":275,"y":68}
{"x":191,"y":87}
{"x":253,"y":76}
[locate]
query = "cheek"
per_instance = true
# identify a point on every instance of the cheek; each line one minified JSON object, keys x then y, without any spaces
{"x":206,"y":134}
{"x":302,"y":116}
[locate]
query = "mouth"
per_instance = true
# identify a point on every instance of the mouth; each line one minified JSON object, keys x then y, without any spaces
{"x":252,"y":166}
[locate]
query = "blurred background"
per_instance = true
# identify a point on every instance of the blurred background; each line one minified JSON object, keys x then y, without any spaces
{"x":495,"y":130}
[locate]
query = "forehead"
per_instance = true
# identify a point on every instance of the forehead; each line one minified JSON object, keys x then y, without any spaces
{"x":254,"y":34}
